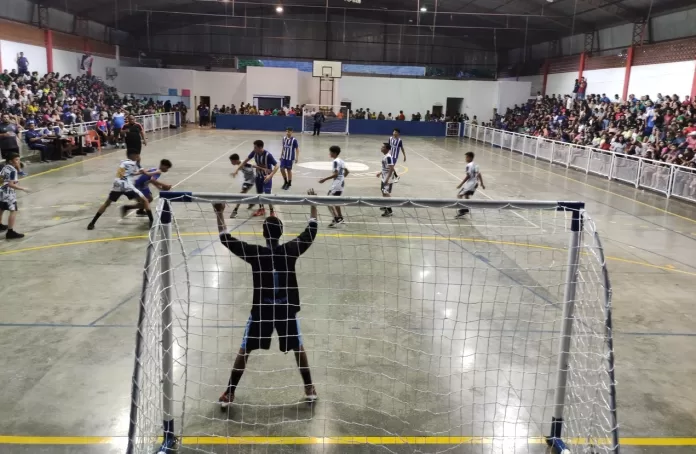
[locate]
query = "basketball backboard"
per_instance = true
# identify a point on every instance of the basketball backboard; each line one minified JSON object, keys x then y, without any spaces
{"x":328,"y":69}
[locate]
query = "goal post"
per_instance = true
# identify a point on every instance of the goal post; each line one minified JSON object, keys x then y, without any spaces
{"x":419,"y":328}
{"x":331,"y":119}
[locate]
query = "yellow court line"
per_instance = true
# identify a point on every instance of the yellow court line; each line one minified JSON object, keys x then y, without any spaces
{"x":103,"y":155}
{"x":602,"y":189}
{"x":345,"y":440}
{"x":350,"y":235}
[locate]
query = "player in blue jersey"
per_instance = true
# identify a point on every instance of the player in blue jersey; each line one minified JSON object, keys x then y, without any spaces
{"x":118,"y":120}
{"x":142,"y":184}
{"x":396,"y":146}
{"x":289,"y":155}
{"x":123,"y":184}
{"x":266,"y":167}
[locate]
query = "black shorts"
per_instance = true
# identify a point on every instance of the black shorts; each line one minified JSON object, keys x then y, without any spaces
{"x":117,"y":132}
{"x":4,"y":206}
{"x":386,"y":188}
{"x":115,"y":195}
{"x":5,"y":152}
{"x":257,"y":334}
{"x":134,"y":148}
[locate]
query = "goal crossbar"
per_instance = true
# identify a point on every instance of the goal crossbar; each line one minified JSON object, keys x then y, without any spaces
{"x":585,"y":277}
{"x":400,"y":202}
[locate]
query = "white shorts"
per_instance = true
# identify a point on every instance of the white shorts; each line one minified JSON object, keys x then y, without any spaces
{"x":125,"y":187}
{"x":467,"y":191}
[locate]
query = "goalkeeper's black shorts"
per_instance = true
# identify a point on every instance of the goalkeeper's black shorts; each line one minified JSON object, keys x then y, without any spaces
{"x":257,"y":334}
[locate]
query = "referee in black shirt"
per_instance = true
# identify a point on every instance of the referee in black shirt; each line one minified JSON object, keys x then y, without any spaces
{"x":134,"y":134}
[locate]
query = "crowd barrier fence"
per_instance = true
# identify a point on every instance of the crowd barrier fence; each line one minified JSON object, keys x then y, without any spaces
{"x":667,"y":179}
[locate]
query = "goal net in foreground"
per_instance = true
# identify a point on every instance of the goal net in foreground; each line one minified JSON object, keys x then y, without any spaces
{"x":422,"y":333}
{"x":333,"y":119}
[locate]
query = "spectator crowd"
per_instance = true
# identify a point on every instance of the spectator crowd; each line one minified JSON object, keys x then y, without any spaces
{"x":53,"y":103}
{"x":663,"y":129}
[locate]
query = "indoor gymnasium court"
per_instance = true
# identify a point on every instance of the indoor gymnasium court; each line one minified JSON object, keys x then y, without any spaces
{"x":391,"y":352}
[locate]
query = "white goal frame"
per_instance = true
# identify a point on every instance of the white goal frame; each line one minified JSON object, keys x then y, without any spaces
{"x":161,"y":237}
{"x":330,"y":112}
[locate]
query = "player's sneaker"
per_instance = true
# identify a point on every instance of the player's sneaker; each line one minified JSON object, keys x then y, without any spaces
{"x":12,"y":235}
{"x":259,"y":212}
{"x":336,"y":222}
{"x":387,"y":213}
{"x":141,"y":213}
{"x":233,"y":214}
{"x":3,"y":227}
{"x":226,"y":400}
{"x":396,"y":179}
{"x":461,"y":213}
{"x":286,"y":186}
{"x":383,"y":208}
{"x":124,"y":211}
{"x":90,"y":226}
{"x":250,"y":207}
{"x":310,"y":394}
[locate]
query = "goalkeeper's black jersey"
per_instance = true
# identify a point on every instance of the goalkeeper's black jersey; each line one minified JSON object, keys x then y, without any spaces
{"x":275,"y":280}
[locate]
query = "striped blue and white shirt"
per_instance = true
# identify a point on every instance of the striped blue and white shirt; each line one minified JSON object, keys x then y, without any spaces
{"x":290,"y":147}
{"x":395,"y":147}
{"x":264,"y":160}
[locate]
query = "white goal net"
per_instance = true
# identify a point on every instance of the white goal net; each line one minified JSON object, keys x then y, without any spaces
{"x":418,"y":332}
{"x":323,"y":119}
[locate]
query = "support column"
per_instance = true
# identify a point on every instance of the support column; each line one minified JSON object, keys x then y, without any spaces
{"x":48,"y":43}
{"x":546,"y":77}
{"x":627,"y":77}
{"x":85,"y":45}
{"x":693,"y":86}
{"x":581,"y":69}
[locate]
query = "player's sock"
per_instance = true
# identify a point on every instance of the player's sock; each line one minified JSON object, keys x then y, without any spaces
{"x":149,"y":216}
{"x":94,"y":219}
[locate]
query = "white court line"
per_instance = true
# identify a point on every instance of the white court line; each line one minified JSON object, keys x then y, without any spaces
{"x":458,"y":179}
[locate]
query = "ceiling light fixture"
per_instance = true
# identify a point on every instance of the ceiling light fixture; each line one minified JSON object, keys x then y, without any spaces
{"x":279,"y":9}
{"x":423,"y":9}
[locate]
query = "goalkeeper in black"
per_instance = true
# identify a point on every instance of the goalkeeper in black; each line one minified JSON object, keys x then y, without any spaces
{"x":276,"y":299}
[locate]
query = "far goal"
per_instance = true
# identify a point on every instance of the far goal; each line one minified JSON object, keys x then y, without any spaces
{"x":325,"y":119}
{"x":415,"y":333}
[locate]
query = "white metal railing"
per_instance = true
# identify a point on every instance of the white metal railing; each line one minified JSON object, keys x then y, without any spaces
{"x":153,"y":122}
{"x":668,"y":179}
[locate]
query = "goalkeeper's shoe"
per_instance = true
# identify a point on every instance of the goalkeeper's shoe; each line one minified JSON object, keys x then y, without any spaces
{"x":170,"y":445}
{"x":226,"y":400}
{"x":310,"y":394}
{"x":259,"y":212}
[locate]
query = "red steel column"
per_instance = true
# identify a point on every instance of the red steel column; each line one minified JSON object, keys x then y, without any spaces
{"x":546,"y":77}
{"x":85,"y":45}
{"x":581,"y":69}
{"x":48,"y":43}
{"x":627,"y":77}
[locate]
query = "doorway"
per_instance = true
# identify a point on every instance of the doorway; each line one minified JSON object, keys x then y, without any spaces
{"x":454,"y":106}
{"x":204,"y":100}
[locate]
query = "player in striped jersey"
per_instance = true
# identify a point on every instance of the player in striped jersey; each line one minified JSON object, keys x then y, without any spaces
{"x":249,"y":179}
{"x":470,"y":183}
{"x":289,"y":155}
{"x":396,"y":146}
{"x":338,"y":176}
{"x":387,"y":177}
{"x":266,"y":167}
{"x":142,"y":184}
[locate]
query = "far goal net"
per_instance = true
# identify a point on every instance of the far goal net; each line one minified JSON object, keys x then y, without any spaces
{"x":416,"y":332}
{"x":325,"y":119}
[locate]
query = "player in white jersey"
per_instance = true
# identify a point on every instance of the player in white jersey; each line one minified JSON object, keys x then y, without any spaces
{"x":470,"y":183}
{"x":249,"y":179}
{"x":396,"y":146}
{"x":338,"y":175}
{"x":386,"y":176}
{"x":289,"y":155}
{"x":9,"y":185}
{"x":124,"y":184}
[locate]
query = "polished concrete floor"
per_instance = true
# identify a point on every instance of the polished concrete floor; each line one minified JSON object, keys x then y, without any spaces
{"x":391,"y":348}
